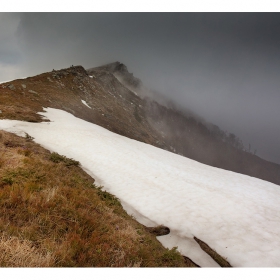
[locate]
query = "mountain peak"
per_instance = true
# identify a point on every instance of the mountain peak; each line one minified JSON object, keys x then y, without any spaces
{"x":112,"y":67}
{"x":120,"y":71}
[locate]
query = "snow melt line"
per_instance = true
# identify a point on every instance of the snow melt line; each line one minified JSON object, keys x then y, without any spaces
{"x":236,"y":215}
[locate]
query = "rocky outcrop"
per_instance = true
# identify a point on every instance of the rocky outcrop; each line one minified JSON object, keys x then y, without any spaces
{"x":120,"y":71}
{"x":159,"y":230}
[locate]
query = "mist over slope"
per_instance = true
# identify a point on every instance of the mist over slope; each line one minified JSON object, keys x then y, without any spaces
{"x":118,"y":101}
{"x":186,"y":133}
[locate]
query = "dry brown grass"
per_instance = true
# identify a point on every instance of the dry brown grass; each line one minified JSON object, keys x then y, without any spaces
{"x":50,"y":219}
{"x":21,"y":253}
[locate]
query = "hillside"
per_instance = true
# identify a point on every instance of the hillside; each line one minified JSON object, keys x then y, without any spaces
{"x":110,"y":97}
{"x":22,"y":185}
{"x":119,"y":102}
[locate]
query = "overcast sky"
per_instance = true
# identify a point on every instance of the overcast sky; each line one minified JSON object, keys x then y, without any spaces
{"x":223,"y":66}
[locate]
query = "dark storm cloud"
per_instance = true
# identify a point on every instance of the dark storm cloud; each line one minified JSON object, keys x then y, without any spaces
{"x":223,"y":66}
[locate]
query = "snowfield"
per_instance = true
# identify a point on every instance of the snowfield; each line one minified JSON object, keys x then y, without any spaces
{"x":236,"y":215}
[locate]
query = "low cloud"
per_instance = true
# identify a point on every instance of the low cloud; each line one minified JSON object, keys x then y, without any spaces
{"x":222,"y":66}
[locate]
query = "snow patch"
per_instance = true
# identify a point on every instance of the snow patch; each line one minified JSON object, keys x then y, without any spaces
{"x":84,"y":102}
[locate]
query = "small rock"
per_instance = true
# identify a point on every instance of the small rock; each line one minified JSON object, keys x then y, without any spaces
{"x":159,"y":230}
{"x":23,"y":85}
{"x":32,"y":91}
{"x":11,"y":87}
{"x":0,"y":112}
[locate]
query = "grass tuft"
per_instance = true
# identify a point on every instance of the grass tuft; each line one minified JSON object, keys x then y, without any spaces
{"x":22,"y":253}
{"x":28,"y":137}
{"x":55,"y":157}
{"x":108,"y":198}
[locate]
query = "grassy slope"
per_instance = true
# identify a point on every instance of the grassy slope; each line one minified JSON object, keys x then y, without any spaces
{"x":52,"y":214}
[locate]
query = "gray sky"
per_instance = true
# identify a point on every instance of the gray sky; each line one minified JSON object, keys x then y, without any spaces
{"x":224,"y":67}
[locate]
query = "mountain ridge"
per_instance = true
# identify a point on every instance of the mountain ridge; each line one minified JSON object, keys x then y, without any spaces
{"x":117,"y":106}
